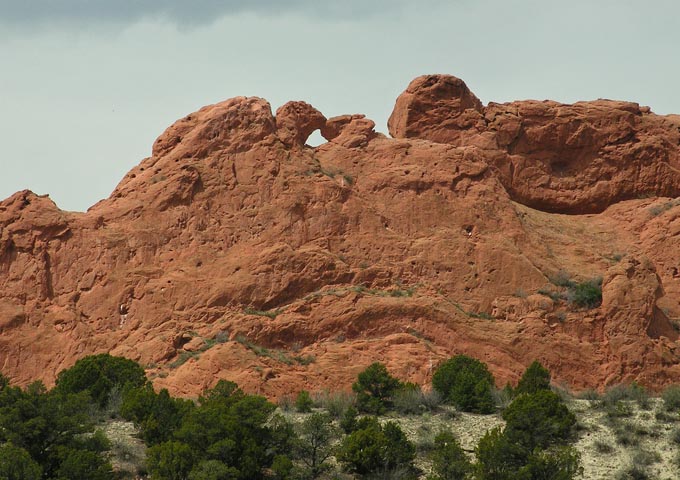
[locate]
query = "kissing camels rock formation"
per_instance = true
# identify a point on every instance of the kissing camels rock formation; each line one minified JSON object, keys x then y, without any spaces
{"x":236,"y":251}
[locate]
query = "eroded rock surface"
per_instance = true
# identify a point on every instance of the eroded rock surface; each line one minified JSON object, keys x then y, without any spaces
{"x":577,"y":158}
{"x":236,"y":251}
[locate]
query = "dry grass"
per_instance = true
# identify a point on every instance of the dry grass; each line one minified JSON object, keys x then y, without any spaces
{"x":128,"y":452}
{"x":644,"y":440}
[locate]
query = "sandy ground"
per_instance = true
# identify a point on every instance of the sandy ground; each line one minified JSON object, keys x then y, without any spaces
{"x":651,"y":441}
{"x":648,"y":441}
{"x":645,"y":438}
{"x":127,"y":451}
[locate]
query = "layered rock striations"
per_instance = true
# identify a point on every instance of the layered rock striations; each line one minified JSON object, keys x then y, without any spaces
{"x":236,"y":251}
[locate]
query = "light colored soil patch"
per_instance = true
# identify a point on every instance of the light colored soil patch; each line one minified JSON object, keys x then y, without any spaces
{"x":128,"y":452}
{"x":421,"y":429}
{"x":645,"y":432}
{"x":468,"y":428}
{"x":604,"y":455}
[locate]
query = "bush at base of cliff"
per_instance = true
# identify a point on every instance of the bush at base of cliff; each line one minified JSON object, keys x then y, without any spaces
{"x":535,"y":378}
{"x":375,"y":389}
{"x":559,"y":463}
{"x":497,"y":457}
{"x":304,"y":402}
{"x":467,"y":383}
{"x":98,"y":375}
{"x":55,"y":430}
{"x":539,"y":420}
{"x":348,"y":421}
{"x":157,"y":415}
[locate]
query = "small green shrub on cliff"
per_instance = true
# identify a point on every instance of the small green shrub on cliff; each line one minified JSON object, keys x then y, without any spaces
{"x":586,"y":294}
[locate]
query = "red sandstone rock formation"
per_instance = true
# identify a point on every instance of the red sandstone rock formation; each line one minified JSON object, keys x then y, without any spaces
{"x":577,"y":158}
{"x":235,"y":251}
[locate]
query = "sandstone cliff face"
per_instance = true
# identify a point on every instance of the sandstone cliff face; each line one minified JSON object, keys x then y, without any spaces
{"x":235,"y":251}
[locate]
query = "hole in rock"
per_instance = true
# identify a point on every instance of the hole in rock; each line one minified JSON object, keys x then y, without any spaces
{"x":560,"y":168}
{"x":315,"y":139}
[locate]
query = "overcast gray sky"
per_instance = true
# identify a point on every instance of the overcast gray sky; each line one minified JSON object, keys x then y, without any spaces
{"x":87,"y":85}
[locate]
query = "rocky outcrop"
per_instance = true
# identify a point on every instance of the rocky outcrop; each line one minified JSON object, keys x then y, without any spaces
{"x":631,"y":292}
{"x":440,"y":108}
{"x":295,"y":122}
{"x":236,"y":251}
{"x":577,"y":158}
{"x":349,"y":131}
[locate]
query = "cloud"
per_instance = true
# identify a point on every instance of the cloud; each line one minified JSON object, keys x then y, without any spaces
{"x":180,"y":12}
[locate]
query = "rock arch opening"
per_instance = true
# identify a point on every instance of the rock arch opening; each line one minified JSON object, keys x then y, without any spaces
{"x":315,"y":139}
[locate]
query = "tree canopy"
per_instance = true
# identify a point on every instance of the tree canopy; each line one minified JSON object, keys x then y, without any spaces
{"x":98,"y":375}
{"x":466,"y":382}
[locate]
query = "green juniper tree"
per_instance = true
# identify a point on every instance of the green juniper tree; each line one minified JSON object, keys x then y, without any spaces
{"x":316,"y":444}
{"x":449,"y":462}
{"x":536,"y":377}
{"x":466,"y":382}
{"x":375,"y":388}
